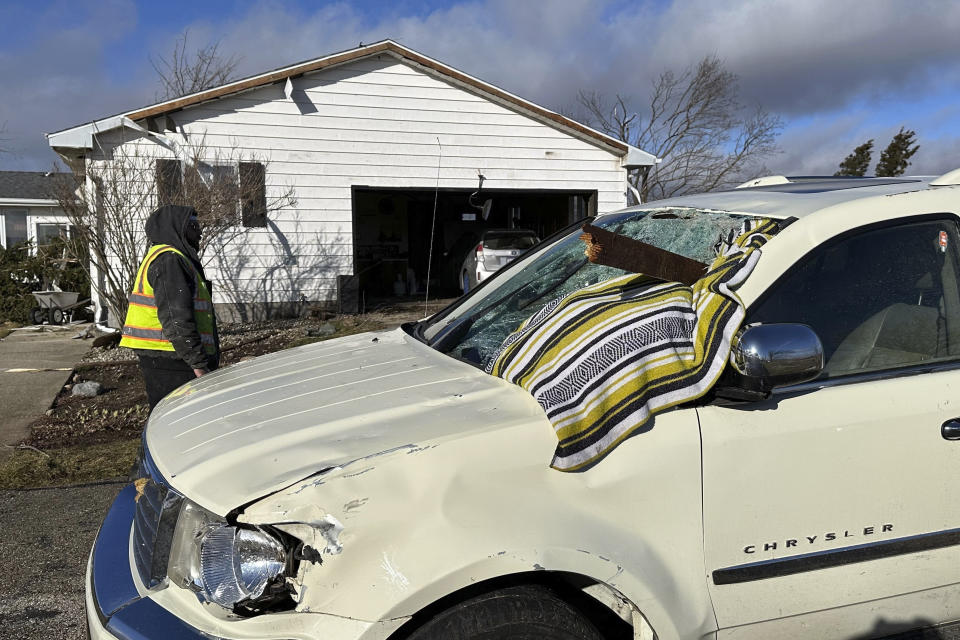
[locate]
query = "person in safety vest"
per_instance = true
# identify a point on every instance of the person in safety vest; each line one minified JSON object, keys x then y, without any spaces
{"x":170,"y":322}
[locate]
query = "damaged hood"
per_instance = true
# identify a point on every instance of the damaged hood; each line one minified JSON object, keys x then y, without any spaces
{"x":248,"y":430}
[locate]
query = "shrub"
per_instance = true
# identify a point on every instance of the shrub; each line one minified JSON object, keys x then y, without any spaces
{"x":23,"y":271}
{"x":20,"y":273}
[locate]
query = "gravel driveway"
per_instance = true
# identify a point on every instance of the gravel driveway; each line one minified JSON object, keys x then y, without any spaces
{"x":45,"y":537}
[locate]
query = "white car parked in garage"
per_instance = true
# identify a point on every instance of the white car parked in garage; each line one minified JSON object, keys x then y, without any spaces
{"x":383,"y":486}
{"x":496,"y":248}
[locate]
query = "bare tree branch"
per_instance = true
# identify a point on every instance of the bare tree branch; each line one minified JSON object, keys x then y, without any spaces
{"x":186,"y":72}
{"x":696,"y":124}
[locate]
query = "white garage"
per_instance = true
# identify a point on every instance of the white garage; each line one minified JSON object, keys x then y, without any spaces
{"x":377,"y":145}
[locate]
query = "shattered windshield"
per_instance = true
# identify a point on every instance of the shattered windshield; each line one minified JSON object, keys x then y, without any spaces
{"x":475,"y":328}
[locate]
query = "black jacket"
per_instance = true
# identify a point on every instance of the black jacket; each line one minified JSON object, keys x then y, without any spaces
{"x":175,"y":287}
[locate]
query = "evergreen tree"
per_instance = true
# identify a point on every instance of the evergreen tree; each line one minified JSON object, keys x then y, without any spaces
{"x":896,"y":157}
{"x":857,"y":163}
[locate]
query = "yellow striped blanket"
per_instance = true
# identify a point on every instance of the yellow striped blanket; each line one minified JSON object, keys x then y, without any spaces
{"x":603,"y":360}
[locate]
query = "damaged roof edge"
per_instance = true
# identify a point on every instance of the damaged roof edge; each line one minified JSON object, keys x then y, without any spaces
{"x":81,"y":136}
{"x":639,"y":158}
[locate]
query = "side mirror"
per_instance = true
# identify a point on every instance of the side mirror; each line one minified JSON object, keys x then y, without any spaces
{"x":776,"y":355}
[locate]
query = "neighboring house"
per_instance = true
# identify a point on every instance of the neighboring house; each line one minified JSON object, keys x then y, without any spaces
{"x":379,"y":145}
{"x":29,"y":209}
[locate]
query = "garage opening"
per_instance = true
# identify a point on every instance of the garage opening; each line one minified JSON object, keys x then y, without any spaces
{"x":391,"y":233}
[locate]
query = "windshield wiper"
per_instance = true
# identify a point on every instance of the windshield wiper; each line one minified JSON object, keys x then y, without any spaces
{"x":453,"y":334}
{"x":414,"y":328}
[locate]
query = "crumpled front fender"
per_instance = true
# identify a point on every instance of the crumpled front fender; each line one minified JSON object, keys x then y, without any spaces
{"x":422,"y":521}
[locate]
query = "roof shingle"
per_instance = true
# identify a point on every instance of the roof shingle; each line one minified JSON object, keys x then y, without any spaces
{"x":31,"y":185}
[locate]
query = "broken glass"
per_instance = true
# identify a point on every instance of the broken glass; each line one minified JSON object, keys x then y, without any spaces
{"x":475,"y":329}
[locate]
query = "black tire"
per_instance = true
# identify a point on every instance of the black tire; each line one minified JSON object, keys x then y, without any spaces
{"x":516,"y":613}
{"x":56,"y":316}
{"x":38,"y":315}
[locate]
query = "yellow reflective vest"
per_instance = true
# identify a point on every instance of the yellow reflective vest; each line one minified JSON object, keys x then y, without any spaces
{"x":142,"y":328}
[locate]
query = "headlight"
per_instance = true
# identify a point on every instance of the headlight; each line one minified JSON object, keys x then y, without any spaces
{"x":224,"y":564}
{"x":238,"y":564}
{"x":194,"y":522}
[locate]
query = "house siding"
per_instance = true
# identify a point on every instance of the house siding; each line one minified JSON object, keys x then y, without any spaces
{"x":375,"y":122}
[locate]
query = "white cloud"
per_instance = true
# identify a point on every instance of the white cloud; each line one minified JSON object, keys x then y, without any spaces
{"x":58,"y":79}
{"x":818,"y":147}
{"x":792,"y":57}
{"x":936,"y":157}
{"x":798,"y":59}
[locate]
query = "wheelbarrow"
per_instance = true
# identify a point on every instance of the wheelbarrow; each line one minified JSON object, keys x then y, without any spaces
{"x":55,"y":306}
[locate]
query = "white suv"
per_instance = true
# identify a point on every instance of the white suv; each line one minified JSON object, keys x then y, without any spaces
{"x":383,"y":486}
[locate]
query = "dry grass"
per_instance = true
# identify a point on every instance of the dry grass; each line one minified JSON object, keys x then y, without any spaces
{"x":6,"y":328}
{"x":28,"y":468}
{"x":348,"y":326}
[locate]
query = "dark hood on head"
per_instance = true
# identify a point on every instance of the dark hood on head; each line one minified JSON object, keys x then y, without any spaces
{"x":167,"y":225}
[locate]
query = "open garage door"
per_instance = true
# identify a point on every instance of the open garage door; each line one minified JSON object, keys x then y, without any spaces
{"x":391,"y":233}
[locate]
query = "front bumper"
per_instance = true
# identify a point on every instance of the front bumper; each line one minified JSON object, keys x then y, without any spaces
{"x":116,"y":610}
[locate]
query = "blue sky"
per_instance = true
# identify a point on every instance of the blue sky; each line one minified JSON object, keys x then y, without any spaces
{"x":836,"y":73}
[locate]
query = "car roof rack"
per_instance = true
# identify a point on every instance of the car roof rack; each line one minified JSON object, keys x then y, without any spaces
{"x":766,"y":181}
{"x":819,"y":184}
{"x":950,"y":178}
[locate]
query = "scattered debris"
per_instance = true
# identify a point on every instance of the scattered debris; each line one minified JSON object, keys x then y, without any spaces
{"x":623,"y":252}
{"x":118,"y":412}
{"x":325,"y":329}
{"x":109,"y":341}
{"x":86,"y":334}
{"x":88,"y":389}
{"x":27,"y":447}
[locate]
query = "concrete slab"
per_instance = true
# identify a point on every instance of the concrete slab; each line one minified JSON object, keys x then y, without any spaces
{"x":35,"y":363}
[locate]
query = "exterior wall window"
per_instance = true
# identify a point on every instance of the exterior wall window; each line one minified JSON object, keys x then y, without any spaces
{"x":222,"y":176}
{"x":15,"y":228}
{"x":47,"y":232}
{"x":219,"y":189}
{"x":253,"y":194}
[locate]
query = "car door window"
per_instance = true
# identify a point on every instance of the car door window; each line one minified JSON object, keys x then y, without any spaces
{"x":880,"y":298}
